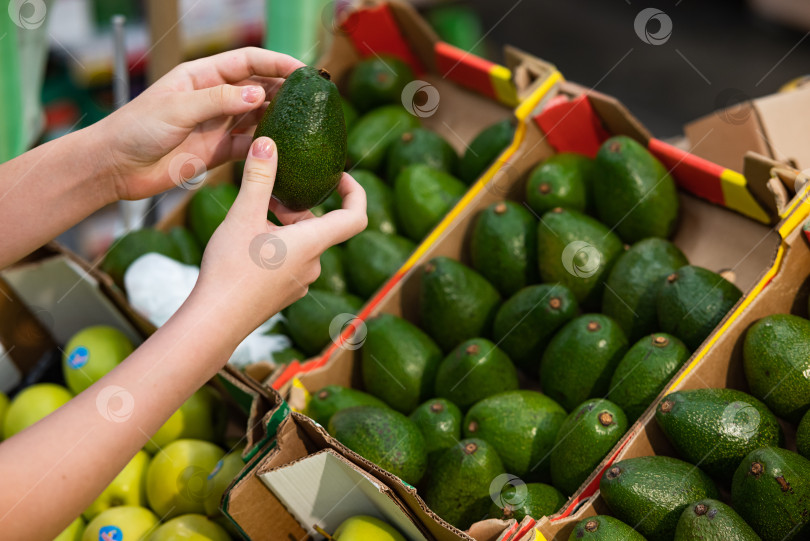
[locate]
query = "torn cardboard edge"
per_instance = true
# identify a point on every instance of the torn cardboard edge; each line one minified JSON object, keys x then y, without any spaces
{"x":783,"y":288}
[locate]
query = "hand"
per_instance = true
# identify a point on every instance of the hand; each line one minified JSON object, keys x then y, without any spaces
{"x":252,"y":268}
{"x":207,"y":108}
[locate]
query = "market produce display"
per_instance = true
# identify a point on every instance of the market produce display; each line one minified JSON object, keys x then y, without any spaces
{"x":169,"y":490}
{"x":511,"y":370}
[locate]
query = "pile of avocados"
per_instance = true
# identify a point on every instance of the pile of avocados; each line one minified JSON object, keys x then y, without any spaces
{"x":732,"y":449}
{"x":412,"y":177}
{"x":532,"y":359}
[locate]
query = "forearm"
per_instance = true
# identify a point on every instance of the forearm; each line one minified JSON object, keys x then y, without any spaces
{"x":53,"y":470}
{"x":50,"y":188}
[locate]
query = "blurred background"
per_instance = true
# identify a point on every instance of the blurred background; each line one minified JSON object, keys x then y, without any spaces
{"x":669,"y":62}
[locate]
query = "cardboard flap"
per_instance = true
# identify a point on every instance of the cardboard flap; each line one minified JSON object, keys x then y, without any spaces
{"x":528,"y":72}
{"x":325,"y":489}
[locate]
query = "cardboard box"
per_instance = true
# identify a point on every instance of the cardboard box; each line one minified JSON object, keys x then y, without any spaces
{"x":573,"y":118}
{"x":464,"y":82}
{"x":783,"y":288}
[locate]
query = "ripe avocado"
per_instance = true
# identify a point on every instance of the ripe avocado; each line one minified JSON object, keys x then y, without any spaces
{"x":563,"y":180}
{"x":771,"y":491}
{"x":422,"y":196}
{"x":455,"y":302}
{"x":776,"y":359}
{"x":305,"y":119}
{"x":380,"y":202}
{"x":576,"y":251}
{"x":633,"y":192}
{"x":372,"y":257}
{"x":692,"y":301}
{"x":484,"y":149}
{"x":717,"y":428}
{"x":526,"y":322}
{"x":521,"y":425}
{"x":439,"y":420}
{"x":399,"y":362}
{"x":374,"y":132}
{"x":644,"y":371}
{"x":207,"y":209}
{"x":604,"y":528}
{"x":382,"y":436}
{"x":309,"y":318}
{"x":581,"y":358}
{"x":803,"y":436}
{"x":330,"y":399}
{"x":712,"y":520}
{"x":187,"y":246}
{"x":586,"y":436}
{"x":516,"y":501}
{"x":378,"y":80}
{"x":420,"y":146}
{"x":503,"y":246}
{"x":129,"y":247}
{"x":474,"y":370}
{"x":333,"y":276}
{"x":651,"y":493}
{"x":458,"y":488}
{"x":631,"y":290}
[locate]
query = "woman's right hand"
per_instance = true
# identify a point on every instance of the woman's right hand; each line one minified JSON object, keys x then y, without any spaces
{"x":252,"y":268}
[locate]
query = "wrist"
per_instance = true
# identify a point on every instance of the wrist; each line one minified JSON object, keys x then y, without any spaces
{"x":106,"y":177}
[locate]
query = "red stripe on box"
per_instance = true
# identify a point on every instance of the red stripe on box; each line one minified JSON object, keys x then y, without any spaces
{"x":572,"y":125}
{"x":466,"y":69}
{"x":695,"y":175}
{"x":375,"y":31}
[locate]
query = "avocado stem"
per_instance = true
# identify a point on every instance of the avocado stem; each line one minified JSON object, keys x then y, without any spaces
{"x":593,"y":326}
{"x":605,"y":418}
{"x":325,"y":74}
{"x":660,"y":341}
{"x":591,"y":526}
{"x":555,"y":303}
{"x":500,"y":208}
{"x":614,"y":472}
{"x":545,"y":188}
{"x":437,"y":407}
{"x":700,"y":509}
{"x":756,"y":469}
{"x":470,"y":448}
{"x":666,"y":406}
{"x":672,"y":278}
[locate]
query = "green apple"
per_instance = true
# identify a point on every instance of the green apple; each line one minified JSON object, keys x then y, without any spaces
{"x":201,"y":417}
{"x":73,"y":532}
{"x":219,"y":479}
{"x":190,"y":528}
{"x":3,"y":408}
{"x":128,"y":487}
{"x":32,"y":404}
{"x":121,"y":524}
{"x":91,"y":353}
{"x":363,"y":527}
{"x":176,"y":481}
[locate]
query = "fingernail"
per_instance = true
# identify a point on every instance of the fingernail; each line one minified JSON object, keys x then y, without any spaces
{"x":251,"y":94}
{"x":263,"y":148}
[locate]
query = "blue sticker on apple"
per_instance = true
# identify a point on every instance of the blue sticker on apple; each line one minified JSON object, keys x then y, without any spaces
{"x":78,"y":357}
{"x":110,"y":533}
{"x":216,"y":468}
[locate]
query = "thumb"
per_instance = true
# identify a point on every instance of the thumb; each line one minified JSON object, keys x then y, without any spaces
{"x":258,"y":179}
{"x":220,"y":100}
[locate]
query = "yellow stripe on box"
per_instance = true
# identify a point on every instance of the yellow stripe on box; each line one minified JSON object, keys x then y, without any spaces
{"x":307,"y":396}
{"x":521,"y":113}
{"x":737,"y":196}
{"x":502,"y":83}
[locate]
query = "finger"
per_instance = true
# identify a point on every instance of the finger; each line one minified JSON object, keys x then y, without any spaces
{"x":271,"y":85}
{"x":287,"y":216}
{"x":239,"y":64}
{"x":197,"y":106}
{"x":342,"y":224}
{"x":258,"y":179}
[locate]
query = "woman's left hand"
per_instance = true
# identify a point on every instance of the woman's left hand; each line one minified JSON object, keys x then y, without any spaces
{"x":199,"y":115}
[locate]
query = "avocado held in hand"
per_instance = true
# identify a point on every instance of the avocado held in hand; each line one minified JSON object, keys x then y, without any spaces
{"x":305,"y":119}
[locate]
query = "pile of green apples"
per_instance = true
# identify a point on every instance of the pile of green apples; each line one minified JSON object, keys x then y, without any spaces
{"x":170,"y":489}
